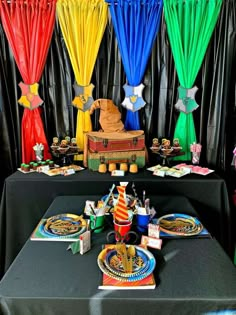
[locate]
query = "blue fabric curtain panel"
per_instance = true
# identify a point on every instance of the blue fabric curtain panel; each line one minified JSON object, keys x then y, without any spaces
{"x":136,"y":25}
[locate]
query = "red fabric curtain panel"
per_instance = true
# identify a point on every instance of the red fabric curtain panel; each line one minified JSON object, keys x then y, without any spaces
{"x":28,"y":25}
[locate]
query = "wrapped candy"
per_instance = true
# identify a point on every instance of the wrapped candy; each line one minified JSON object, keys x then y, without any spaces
{"x":196,"y":149}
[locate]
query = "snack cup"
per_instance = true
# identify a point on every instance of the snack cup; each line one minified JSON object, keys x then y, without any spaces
{"x":97,"y":223}
{"x":122,"y":228}
{"x":133,"y":168}
{"x":142,"y":222}
{"x":112,"y":167}
{"x":102,"y":168}
{"x":124,"y":167}
{"x":39,"y":155}
{"x":195,"y":157}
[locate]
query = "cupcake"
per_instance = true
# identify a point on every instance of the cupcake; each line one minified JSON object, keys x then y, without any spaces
{"x":27,"y":168}
{"x":35,"y":165}
{"x":63,"y":147}
{"x":67,"y":138}
{"x":51,"y":164}
{"x":73,"y":145}
{"x":55,"y":144}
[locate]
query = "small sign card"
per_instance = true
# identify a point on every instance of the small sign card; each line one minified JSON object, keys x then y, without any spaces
{"x":83,"y":245}
{"x":69,"y":171}
{"x":118,"y":173}
{"x":151,"y":242}
{"x":154,"y":230}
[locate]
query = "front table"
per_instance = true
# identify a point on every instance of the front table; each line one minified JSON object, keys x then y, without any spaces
{"x":193,"y":276}
{"x":26,"y":197}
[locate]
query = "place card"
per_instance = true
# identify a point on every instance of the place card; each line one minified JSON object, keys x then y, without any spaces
{"x":118,"y":173}
{"x":152,"y":242}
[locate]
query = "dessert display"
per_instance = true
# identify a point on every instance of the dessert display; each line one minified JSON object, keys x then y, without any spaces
{"x":165,"y":147}
{"x":67,"y":145}
{"x":63,"y":150}
{"x":34,"y":166}
{"x":64,"y":170}
{"x":179,"y":170}
{"x":194,"y":169}
{"x":165,"y":150}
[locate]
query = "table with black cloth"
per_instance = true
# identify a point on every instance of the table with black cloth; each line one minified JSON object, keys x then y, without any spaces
{"x":193,"y":276}
{"x":26,"y":197}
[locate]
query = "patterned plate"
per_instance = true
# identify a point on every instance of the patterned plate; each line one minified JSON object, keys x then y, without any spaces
{"x":63,"y":225}
{"x":180,"y":224}
{"x":146,"y":259}
{"x":140,"y":264}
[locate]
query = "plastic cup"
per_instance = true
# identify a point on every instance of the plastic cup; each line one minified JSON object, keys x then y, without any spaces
{"x":112,"y":167}
{"x":97,"y":223}
{"x":142,"y":222}
{"x":122,"y":228}
{"x":124,"y":167}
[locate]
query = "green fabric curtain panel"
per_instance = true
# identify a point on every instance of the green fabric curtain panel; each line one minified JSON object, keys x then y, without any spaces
{"x":190,"y":24}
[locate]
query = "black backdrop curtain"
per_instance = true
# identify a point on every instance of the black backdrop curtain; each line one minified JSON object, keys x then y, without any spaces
{"x":214,"y":119}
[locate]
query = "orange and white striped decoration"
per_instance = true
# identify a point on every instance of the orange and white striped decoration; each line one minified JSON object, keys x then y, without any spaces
{"x":121,"y":211}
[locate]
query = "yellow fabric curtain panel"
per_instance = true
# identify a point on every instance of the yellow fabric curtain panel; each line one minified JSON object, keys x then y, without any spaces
{"x":82,"y":23}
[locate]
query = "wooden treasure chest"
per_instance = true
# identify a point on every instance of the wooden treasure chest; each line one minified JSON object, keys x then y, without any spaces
{"x":116,"y":141}
{"x":95,"y":159}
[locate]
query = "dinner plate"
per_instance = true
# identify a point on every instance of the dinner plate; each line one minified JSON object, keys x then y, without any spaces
{"x":63,"y":225}
{"x":180,"y":224}
{"x":145,"y":258}
{"x":140,"y":263}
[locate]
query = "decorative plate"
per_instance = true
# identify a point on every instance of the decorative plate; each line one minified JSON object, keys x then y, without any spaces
{"x":62,"y":225}
{"x":144,"y":263}
{"x":140,"y":263}
{"x":180,"y":224}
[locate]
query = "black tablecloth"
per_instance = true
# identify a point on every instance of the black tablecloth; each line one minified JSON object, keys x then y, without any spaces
{"x":193,"y":276}
{"x":26,"y":197}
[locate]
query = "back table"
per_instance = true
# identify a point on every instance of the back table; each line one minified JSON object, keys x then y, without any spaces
{"x":26,"y":197}
{"x":193,"y":276}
